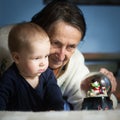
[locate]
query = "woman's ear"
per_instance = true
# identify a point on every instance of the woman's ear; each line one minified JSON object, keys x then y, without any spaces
{"x":15,"y":56}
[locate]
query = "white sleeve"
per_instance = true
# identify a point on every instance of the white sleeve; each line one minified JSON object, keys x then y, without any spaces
{"x":70,"y":81}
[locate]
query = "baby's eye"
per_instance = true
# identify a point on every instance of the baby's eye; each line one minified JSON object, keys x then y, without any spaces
{"x":46,"y":56}
{"x":36,"y":58}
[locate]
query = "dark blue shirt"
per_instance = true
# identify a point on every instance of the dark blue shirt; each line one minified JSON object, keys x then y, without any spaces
{"x":16,"y":94}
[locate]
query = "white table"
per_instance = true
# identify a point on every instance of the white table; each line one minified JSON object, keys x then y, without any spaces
{"x":62,"y":115}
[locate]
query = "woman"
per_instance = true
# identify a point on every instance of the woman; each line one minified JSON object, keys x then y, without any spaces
{"x":65,"y":24}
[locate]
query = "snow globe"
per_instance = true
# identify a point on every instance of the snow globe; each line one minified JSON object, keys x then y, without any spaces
{"x":96,"y":88}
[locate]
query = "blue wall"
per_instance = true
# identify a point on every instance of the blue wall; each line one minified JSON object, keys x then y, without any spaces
{"x":103,"y":22}
{"x":13,"y":11}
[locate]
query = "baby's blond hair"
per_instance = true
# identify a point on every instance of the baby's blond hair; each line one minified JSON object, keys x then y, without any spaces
{"x":20,"y":34}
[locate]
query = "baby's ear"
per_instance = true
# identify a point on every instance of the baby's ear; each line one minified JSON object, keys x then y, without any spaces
{"x":15,"y":57}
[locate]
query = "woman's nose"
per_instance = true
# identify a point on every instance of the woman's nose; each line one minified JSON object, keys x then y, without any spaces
{"x":62,"y":54}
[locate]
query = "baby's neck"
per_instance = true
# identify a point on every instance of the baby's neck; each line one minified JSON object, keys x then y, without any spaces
{"x":33,"y":81}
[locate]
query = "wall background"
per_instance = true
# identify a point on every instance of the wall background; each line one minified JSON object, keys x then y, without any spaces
{"x":103,"y":23}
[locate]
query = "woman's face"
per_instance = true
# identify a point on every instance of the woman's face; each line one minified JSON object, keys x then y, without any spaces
{"x":64,"y":40}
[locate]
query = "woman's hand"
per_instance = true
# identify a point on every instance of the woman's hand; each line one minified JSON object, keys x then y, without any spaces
{"x":112,"y":78}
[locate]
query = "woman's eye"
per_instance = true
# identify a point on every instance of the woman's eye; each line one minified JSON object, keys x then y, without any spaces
{"x":72,"y":47}
{"x":55,"y":43}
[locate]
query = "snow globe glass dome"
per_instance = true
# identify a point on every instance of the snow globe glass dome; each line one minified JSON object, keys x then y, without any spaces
{"x":96,"y":84}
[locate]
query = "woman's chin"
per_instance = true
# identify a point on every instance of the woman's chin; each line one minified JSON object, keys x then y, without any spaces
{"x":55,"y":66}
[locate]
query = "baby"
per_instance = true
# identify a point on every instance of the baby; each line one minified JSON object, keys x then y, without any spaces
{"x":28,"y":84}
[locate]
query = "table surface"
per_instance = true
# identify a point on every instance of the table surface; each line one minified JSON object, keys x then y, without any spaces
{"x":62,"y":115}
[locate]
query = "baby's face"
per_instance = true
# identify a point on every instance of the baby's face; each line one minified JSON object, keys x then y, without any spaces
{"x":34,"y":61}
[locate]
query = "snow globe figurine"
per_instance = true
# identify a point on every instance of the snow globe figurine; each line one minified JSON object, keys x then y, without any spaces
{"x":97,"y":88}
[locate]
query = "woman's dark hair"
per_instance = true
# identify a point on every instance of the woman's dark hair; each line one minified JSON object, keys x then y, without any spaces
{"x":60,"y":10}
